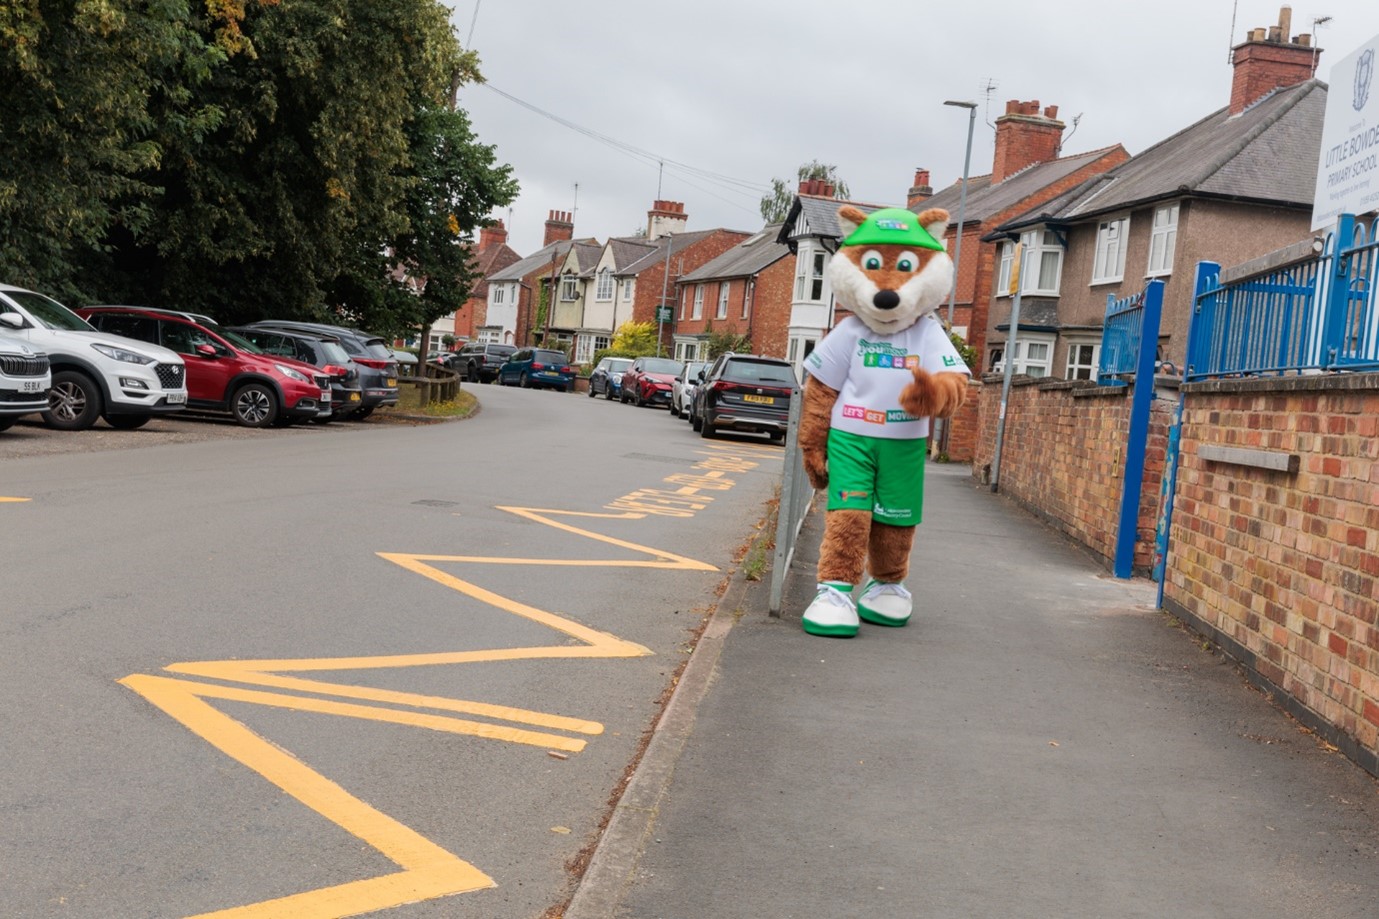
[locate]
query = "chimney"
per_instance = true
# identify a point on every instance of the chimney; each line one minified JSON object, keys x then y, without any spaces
{"x":559,"y":226}
{"x":920,"y":191}
{"x":821,"y":188}
{"x":495,"y":235}
{"x":665,"y":217}
{"x":1025,"y":136}
{"x":1268,"y":60}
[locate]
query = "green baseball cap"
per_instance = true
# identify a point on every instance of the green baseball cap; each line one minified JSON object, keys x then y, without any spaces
{"x":892,"y":226}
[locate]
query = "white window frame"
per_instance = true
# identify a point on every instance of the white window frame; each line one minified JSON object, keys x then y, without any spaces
{"x":684,"y":302}
{"x":749,"y":289}
{"x":722,"y":300}
{"x":1072,"y":368}
{"x":698,"y":302}
{"x":1024,"y":363}
{"x":810,"y":267}
{"x":569,"y":288}
{"x":497,"y":294}
{"x":1007,"y":265}
{"x":1040,"y":244}
{"x":1112,"y":235}
{"x":603,"y":292}
{"x":1163,"y":238}
{"x":628,"y":288}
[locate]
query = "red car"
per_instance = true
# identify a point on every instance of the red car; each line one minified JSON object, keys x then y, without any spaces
{"x":225,"y":371}
{"x":649,"y":381}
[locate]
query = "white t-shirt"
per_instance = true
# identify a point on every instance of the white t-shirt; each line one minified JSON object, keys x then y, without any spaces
{"x":870,"y":370}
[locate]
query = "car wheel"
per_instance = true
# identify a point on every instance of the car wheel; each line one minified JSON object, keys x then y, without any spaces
{"x":777,"y":437}
{"x":254,"y":405}
{"x":127,"y":422}
{"x":522,"y":381}
{"x":360,"y":414}
{"x":706,"y":427}
{"x":591,"y":390}
{"x":74,"y":402}
{"x":696,"y":422}
{"x":608,"y":393}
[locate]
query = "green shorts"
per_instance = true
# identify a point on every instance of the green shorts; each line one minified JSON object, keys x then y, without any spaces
{"x":884,"y":476}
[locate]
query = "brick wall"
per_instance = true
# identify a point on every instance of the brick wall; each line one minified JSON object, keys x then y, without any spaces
{"x":960,"y":440}
{"x":1280,"y":569}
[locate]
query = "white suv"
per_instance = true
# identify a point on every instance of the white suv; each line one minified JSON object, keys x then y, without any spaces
{"x":95,"y":375}
{"x":24,"y":377}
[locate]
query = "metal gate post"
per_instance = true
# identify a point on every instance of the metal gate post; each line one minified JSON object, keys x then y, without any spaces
{"x":1138,"y":438}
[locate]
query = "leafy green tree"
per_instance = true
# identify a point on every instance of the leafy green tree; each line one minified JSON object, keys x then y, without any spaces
{"x":632,"y":339}
{"x":724,"y":342}
{"x":775,"y":206}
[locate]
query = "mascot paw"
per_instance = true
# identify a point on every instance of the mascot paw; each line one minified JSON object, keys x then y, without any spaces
{"x":816,"y":467}
{"x":939,"y":394}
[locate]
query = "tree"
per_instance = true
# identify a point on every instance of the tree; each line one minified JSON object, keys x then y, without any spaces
{"x":775,"y":207}
{"x":728,"y":342}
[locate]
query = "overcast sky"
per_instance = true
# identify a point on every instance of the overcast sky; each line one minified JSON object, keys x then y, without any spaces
{"x":730,"y":94}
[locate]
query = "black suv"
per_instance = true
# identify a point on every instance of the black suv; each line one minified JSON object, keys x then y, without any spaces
{"x":742,"y":392}
{"x":377,"y":367}
{"x":480,"y":360}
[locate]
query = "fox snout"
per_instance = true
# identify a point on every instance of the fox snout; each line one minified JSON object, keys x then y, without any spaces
{"x":885,"y":300}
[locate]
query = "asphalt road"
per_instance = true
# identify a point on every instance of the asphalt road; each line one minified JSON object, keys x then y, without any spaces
{"x":330,"y":670}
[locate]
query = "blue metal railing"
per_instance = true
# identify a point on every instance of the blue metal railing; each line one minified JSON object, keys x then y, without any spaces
{"x":1121,"y":335}
{"x":1319,"y":314}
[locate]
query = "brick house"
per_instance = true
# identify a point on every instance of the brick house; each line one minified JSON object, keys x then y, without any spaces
{"x":1026,"y":171}
{"x":1235,"y":185}
{"x":514,"y":293}
{"x":492,"y":255}
{"x":744,"y":291}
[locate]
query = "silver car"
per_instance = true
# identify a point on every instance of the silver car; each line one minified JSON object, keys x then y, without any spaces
{"x":682,"y":389}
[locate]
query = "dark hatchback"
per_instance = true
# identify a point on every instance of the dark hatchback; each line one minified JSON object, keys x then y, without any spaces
{"x":320,"y":350}
{"x":377,"y":367}
{"x":741,"y":392}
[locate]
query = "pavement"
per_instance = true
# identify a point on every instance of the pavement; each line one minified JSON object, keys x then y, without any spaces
{"x":1040,"y":741}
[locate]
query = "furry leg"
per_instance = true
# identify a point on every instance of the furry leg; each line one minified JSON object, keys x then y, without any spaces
{"x":888,"y":552}
{"x":843,"y":552}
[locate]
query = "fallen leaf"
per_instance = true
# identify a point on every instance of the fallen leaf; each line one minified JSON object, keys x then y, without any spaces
{"x":562,"y":830}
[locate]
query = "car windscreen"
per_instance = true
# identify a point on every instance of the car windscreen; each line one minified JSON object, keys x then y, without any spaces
{"x":501,"y":350}
{"x":619,"y":366}
{"x":549,"y":357}
{"x":695,"y":369}
{"x":661,"y":365}
{"x":48,"y":313}
{"x":744,"y":371}
{"x":240,"y":342}
{"x":334,"y":353}
{"x":377,"y":347}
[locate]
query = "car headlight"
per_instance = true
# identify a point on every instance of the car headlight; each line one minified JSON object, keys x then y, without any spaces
{"x":122,"y":354}
{"x":292,"y":374}
{"x":615,"y":377}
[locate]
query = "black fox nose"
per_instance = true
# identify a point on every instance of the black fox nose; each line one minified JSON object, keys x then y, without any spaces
{"x":886,"y":300}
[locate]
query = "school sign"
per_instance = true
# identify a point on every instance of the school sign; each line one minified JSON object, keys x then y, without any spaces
{"x":1348,"y":165}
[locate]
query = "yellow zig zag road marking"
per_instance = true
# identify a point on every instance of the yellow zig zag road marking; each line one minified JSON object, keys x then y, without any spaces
{"x":12,"y":500}
{"x":427,"y":870}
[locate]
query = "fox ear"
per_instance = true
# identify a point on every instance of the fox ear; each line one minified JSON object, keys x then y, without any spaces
{"x":850,"y":218}
{"x":935,"y":220}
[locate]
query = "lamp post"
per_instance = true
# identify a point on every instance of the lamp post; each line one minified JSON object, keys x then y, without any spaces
{"x":962,"y":200}
{"x":665,"y":282}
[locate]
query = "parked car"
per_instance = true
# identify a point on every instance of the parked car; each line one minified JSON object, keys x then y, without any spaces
{"x":319,"y":350}
{"x":683,"y":386}
{"x":606,"y":378}
{"x":25,"y":377}
{"x":742,"y":392}
{"x":648,"y":381}
{"x":377,"y":369}
{"x":94,"y":375}
{"x":479,"y":361}
{"x":225,"y":371}
{"x":407,"y":362}
{"x":530,"y":367}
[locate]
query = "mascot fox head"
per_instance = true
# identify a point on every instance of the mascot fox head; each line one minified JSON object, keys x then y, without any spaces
{"x":891,"y":268}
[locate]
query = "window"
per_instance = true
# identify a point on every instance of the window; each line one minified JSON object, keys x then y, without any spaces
{"x":586,"y":346}
{"x":698,"y":302}
{"x":722,"y":300}
{"x":1041,"y":264}
{"x":1110,"y":250}
{"x":604,"y":291}
{"x":569,"y":287}
{"x":497,"y":293}
{"x":1082,"y":361}
{"x":748,"y":290}
{"x":1033,"y":357}
{"x":1163,"y":236}
{"x":628,"y":287}
{"x":809,"y":275}
{"x":684,"y":301}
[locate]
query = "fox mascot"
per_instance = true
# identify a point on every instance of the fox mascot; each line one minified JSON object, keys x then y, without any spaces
{"x":872,"y":385}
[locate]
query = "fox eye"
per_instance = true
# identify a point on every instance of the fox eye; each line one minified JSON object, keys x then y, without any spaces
{"x":907,"y":261}
{"x":871,"y":260}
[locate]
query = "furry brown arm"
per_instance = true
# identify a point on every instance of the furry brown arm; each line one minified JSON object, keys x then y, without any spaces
{"x":939,"y":394}
{"x":816,"y":415}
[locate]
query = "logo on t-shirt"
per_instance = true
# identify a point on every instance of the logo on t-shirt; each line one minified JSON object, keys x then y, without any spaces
{"x":884,"y":356}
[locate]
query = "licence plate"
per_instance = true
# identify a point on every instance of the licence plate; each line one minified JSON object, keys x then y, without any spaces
{"x":177,"y":398}
{"x":31,"y":386}
{"x":392,"y":382}
{"x":354,"y":397}
{"x":761,"y":400}
{"x":325,"y":395}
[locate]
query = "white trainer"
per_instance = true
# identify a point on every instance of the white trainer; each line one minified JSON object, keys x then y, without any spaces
{"x":885,"y":604}
{"x":831,"y":614}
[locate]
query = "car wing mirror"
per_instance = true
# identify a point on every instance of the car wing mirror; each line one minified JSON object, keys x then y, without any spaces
{"x":206,"y":350}
{"x":13,"y":320}
{"x":699,"y":377}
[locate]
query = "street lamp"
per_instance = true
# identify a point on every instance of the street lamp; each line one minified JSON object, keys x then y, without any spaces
{"x":665,"y":281}
{"x":962,"y":200}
